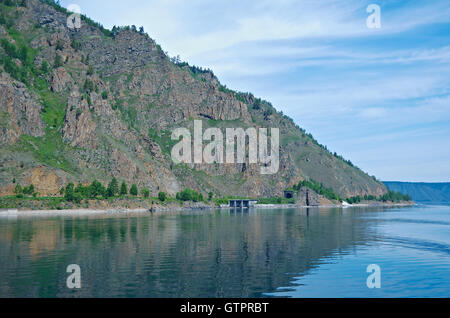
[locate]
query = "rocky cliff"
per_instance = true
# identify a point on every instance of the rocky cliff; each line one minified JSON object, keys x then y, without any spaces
{"x":79,"y":104}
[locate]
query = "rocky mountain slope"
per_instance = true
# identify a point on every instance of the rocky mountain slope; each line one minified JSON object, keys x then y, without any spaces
{"x":89,"y":103}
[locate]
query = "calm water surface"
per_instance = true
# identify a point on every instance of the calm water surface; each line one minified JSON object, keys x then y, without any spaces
{"x":261,"y":253}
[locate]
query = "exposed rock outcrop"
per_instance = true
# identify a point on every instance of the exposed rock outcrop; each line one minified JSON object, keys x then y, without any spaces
{"x":308,"y":197}
{"x":20,"y":113}
{"x":79,"y":127}
{"x":61,"y":80}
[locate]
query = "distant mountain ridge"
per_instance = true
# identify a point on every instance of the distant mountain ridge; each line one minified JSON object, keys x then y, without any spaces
{"x":422,"y":192}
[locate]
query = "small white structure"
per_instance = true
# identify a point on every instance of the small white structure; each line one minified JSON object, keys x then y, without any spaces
{"x":243,"y":204}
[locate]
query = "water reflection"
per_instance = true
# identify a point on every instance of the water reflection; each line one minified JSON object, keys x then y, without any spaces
{"x":207,"y":254}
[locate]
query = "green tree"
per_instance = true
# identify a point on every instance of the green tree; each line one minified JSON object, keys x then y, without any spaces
{"x":18,"y":190}
{"x":210,"y":196}
{"x":96,"y":189}
{"x":44,"y":67}
{"x":76,"y":45}
{"x":28,"y":190}
{"x":113,"y":188}
{"x":59,"y":45}
{"x":58,"y":61}
{"x":24,"y":55}
{"x":123,"y":188}
{"x":10,"y":48}
{"x":81,"y":189}
{"x":69,"y":194}
{"x":77,"y":197}
{"x":189,"y":195}
{"x":145,"y":192}
{"x":162,"y":196}
{"x":88,"y":86}
{"x":134,"y":190}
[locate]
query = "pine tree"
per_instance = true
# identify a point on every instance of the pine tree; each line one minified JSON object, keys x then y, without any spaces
{"x":69,"y":192}
{"x":28,"y":190}
{"x":44,"y":67}
{"x":113,"y":188}
{"x":58,"y":61}
{"x":134,"y":190}
{"x":123,"y":189}
{"x":18,"y":190}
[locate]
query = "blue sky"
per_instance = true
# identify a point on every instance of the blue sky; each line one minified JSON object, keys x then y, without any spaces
{"x":380,"y":97}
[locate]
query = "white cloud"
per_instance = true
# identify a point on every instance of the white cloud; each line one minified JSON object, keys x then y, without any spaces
{"x":373,"y":112}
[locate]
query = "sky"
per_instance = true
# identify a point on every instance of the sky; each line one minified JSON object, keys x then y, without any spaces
{"x":377,"y":96}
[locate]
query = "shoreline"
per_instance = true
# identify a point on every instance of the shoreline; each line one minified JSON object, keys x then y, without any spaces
{"x":168,"y":209}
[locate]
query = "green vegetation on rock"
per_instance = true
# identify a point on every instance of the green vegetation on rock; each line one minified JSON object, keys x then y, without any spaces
{"x":391,"y":196}
{"x":317,"y":187}
{"x":189,"y":195}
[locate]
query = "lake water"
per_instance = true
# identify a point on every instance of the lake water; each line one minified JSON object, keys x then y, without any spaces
{"x":260,"y":253}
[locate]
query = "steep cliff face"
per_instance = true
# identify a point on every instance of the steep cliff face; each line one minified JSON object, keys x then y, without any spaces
{"x":92,"y":105}
{"x":19,"y":111}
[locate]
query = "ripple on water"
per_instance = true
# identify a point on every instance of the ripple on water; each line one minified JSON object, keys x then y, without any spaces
{"x":289,"y":253}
